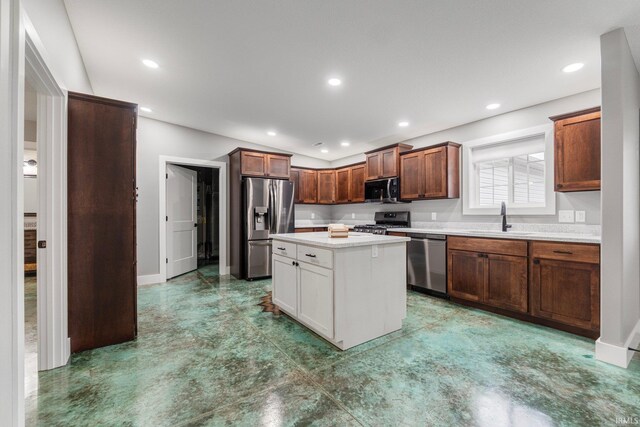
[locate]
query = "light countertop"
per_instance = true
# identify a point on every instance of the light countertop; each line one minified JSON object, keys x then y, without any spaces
{"x":514,"y":235}
{"x":322,"y":239}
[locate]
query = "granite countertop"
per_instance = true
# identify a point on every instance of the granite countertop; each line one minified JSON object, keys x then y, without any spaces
{"x":514,"y":235}
{"x":322,"y":239}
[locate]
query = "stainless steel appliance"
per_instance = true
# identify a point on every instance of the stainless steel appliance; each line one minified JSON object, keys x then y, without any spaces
{"x":268,"y":209}
{"x":427,"y":263}
{"x":382,"y":191}
{"x":385,"y":220}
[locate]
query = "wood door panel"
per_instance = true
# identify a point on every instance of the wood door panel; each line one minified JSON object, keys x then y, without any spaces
{"x":343,"y":181}
{"x":101,"y":221}
{"x":326,"y":186}
{"x":374,"y":166}
{"x":278,"y":166}
{"x":294,"y":177}
{"x":309,"y":186}
{"x":435,"y":173}
{"x":357,"y":183}
{"x":507,"y":284}
{"x":466,"y":275}
{"x":411,"y":176}
{"x":577,"y":152}
{"x":254,"y":164}
{"x":566,"y":292}
{"x":389,"y":163}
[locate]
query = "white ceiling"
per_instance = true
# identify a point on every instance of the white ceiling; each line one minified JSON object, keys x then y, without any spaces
{"x":241,"y":67}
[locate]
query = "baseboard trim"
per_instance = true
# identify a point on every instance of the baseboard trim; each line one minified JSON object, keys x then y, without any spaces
{"x":150,"y":279}
{"x":619,"y":355}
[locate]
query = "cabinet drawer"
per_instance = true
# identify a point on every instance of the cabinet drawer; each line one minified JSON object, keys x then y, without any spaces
{"x":315,"y":256}
{"x":567,"y":252}
{"x":284,"y":248}
{"x":494,"y":246}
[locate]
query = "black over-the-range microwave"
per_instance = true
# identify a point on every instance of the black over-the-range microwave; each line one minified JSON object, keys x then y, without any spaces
{"x":385,"y":190}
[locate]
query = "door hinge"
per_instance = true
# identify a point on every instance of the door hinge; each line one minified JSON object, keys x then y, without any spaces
{"x":42,"y":244}
{"x":166,"y":176}
{"x":166,"y":260}
{"x":166,"y":218}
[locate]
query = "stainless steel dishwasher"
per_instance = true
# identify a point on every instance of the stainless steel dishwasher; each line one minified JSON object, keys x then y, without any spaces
{"x":427,"y":263}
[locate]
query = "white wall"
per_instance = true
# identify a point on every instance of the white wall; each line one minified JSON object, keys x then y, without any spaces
{"x":50,"y":20}
{"x":451,"y":210}
{"x":620,"y":264}
{"x":156,"y":138}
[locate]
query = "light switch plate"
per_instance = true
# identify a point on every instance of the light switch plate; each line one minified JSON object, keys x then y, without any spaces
{"x":581,"y":216}
{"x":374,"y":251}
{"x":434,"y":216}
{"x":313,"y":216}
{"x":566,"y":216}
{"x":353,"y":216}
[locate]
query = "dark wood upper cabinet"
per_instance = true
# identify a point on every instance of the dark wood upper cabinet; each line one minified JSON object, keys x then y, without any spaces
{"x":263,"y":164}
{"x":565,"y":284}
{"x":326,"y":186}
{"x":577,"y":150}
{"x":357,"y":183}
{"x":294,"y":177}
{"x":343,"y":185}
{"x":101,"y":188}
{"x":384,"y":162}
{"x":431,"y":172}
{"x":278,"y":166}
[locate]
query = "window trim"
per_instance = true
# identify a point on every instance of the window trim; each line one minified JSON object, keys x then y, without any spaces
{"x":469,"y":196}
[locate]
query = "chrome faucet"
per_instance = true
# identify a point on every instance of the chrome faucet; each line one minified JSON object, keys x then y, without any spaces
{"x":503,"y":212}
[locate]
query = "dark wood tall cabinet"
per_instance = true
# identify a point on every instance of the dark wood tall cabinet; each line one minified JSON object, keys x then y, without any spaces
{"x":101,"y":221}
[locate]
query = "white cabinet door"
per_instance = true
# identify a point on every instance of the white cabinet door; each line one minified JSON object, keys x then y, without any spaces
{"x":285,"y":286}
{"x":315,"y":307}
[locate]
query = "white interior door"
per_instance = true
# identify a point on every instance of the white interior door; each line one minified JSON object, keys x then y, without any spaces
{"x":182,"y":240}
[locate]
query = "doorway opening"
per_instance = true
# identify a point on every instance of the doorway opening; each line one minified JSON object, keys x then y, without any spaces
{"x":193,"y":216}
{"x":192,"y":219}
{"x":30,"y":188}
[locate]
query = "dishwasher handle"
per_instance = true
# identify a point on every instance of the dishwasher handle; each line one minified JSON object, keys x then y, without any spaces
{"x":425,"y":236}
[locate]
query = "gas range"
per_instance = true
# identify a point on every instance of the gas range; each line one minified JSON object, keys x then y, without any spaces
{"x":384,"y":221}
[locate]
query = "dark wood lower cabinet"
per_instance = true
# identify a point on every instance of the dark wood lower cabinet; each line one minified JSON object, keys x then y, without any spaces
{"x":554,"y":284}
{"x":506,"y":284}
{"x":566,"y":292}
{"x":467,"y":274}
{"x":101,"y":221}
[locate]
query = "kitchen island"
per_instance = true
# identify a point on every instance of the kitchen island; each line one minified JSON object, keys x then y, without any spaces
{"x":347,"y":290}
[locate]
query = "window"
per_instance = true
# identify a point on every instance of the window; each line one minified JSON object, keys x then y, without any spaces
{"x":513,"y":168}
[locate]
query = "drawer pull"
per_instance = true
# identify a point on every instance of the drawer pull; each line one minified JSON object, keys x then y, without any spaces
{"x":563,"y":252}
{"x":310,"y":255}
{"x":282,"y":249}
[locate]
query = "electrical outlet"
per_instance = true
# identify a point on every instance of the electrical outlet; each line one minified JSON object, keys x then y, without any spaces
{"x":353,"y":216}
{"x":433,"y":216}
{"x":566,"y":216}
{"x":374,"y":251}
{"x":581,"y":216}
{"x":313,"y":216}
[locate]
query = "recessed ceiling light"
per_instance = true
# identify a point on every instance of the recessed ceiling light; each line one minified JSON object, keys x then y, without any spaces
{"x":334,"y":81}
{"x":271,"y":133}
{"x":324,"y":150}
{"x":146,"y":109}
{"x":149,"y":63}
{"x":345,"y":143}
{"x":573,"y":67}
{"x":493,"y":106}
{"x":403,"y":124}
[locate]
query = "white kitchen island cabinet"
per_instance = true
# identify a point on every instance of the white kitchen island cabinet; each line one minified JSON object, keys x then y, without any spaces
{"x":347,"y":290}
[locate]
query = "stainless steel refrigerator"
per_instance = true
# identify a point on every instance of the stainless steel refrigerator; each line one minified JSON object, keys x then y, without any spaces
{"x":268,"y":209}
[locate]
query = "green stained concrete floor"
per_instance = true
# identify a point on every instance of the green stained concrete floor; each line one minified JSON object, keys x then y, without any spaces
{"x":206,"y":355}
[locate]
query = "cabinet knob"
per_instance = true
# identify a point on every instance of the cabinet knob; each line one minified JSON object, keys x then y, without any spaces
{"x":536,"y":261}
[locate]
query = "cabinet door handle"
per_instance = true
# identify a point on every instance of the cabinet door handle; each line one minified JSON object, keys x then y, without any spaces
{"x":281,"y":249}
{"x":563,"y":252}
{"x":310,"y":255}
{"x":293,"y":263}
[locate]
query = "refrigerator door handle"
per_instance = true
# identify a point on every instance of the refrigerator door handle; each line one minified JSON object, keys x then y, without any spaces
{"x":273,"y":220}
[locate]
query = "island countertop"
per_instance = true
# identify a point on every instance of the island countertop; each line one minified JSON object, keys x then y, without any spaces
{"x":322,"y":239}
